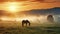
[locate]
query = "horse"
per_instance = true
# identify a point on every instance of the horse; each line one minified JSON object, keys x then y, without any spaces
{"x":25,"y":22}
{"x":50,"y":18}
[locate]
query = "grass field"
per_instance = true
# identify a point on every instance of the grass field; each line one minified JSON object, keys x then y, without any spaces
{"x":35,"y":28}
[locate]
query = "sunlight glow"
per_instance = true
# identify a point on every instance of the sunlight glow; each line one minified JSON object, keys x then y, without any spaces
{"x":13,"y":6}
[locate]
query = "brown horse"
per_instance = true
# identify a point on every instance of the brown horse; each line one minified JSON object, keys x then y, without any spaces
{"x":50,"y":18}
{"x":25,"y":22}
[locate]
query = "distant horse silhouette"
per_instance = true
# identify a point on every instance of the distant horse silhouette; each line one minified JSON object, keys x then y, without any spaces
{"x":50,"y":18}
{"x":25,"y":22}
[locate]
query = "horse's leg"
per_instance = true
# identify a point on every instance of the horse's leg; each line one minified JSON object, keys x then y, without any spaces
{"x":29,"y":24}
{"x":22,"y":24}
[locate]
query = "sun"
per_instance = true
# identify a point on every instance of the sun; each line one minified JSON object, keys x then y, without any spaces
{"x":13,"y":7}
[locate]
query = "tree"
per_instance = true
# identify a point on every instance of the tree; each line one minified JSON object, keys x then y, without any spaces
{"x":50,"y":18}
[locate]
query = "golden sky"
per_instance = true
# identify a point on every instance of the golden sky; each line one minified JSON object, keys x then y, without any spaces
{"x":22,"y":5}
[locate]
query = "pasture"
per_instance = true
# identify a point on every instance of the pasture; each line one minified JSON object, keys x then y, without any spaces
{"x":35,"y":28}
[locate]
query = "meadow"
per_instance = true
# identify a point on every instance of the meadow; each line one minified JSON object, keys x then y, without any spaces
{"x":35,"y":28}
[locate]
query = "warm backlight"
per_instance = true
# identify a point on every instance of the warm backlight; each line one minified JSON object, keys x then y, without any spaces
{"x":12,"y":7}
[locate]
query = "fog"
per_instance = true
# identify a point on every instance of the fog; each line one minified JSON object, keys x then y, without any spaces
{"x":33,"y":19}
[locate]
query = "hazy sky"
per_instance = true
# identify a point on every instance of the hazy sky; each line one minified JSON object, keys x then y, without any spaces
{"x":31,"y":4}
{"x":22,"y":5}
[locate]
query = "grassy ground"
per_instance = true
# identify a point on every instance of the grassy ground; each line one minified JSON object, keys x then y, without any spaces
{"x":16,"y":28}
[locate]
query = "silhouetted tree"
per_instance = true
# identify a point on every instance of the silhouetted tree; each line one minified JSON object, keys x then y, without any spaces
{"x":50,"y":18}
